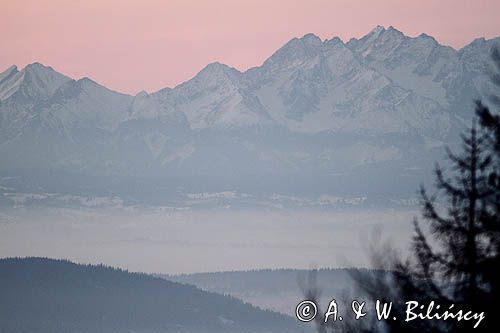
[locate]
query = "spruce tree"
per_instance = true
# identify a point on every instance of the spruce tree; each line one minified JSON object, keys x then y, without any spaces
{"x":455,"y":257}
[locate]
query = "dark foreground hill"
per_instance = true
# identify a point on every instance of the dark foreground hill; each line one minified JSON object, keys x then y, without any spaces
{"x":45,"y":295}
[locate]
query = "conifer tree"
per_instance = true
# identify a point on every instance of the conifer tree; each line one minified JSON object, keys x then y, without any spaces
{"x":455,"y":257}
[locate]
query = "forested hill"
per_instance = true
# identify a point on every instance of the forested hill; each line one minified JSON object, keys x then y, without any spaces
{"x":45,"y":295}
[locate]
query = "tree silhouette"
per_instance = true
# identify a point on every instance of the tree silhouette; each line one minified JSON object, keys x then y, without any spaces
{"x":456,"y":259}
{"x":455,"y":255}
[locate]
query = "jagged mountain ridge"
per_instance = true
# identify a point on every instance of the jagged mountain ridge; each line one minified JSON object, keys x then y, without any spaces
{"x":313,"y":108}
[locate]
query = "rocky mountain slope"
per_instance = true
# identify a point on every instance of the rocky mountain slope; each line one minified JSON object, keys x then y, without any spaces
{"x":317,"y":117}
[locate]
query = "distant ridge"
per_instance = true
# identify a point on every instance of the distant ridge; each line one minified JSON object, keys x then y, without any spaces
{"x":278,"y":289}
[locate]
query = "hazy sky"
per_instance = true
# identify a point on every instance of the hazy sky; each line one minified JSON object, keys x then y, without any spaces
{"x":150,"y":44}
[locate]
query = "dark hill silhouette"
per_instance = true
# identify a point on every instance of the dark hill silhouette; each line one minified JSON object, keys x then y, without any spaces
{"x":46,"y":295}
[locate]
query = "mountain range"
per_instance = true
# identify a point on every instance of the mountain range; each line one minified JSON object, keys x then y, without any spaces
{"x":364,"y":119}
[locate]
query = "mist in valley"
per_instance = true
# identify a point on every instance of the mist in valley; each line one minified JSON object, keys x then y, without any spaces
{"x":175,"y":240}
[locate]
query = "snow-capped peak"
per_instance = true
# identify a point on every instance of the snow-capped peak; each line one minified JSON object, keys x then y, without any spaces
{"x":376,"y":31}
{"x":310,"y":39}
{"x":142,"y":94}
{"x":217,"y":69}
{"x":295,"y":52}
{"x":35,"y":80}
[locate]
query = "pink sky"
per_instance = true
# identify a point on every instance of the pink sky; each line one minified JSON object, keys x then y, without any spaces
{"x":151,"y":44}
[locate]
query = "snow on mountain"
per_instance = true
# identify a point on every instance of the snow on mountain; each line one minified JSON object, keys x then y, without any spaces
{"x":308,"y":85}
{"x":313,"y":86}
{"x":215,"y":98}
{"x":35,"y":81}
{"x":9,"y":82}
{"x":86,"y":103}
{"x":22,"y":94}
{"x":452,"y":78}
{"x":418,"y":64}
{"x":315,"y":108}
